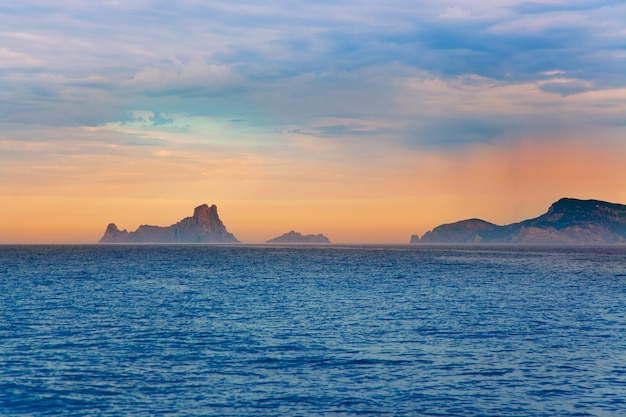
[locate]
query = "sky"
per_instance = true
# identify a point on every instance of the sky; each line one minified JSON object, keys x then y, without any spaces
{"x":367,"y":121}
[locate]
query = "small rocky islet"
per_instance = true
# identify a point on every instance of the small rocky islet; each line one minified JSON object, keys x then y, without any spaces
{"x":295,"y":237}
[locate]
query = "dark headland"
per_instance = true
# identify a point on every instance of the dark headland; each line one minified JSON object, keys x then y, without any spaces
{"x":295,"y":237}
{"x":204,"y":226}
{"x":568,"y":221}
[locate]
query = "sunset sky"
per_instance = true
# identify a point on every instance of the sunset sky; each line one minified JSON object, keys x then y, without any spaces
{"x":364,"y":120}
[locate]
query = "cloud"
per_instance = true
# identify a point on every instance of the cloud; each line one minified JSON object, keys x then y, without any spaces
{"x":456,"y":13}
{"x":401,"y":73}
{"x":566,"y":87}
{"x":16,"y":60}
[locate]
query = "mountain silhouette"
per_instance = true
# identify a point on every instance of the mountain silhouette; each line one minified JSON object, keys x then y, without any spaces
{"x":204,"y":226}
{"x":568,"y":221}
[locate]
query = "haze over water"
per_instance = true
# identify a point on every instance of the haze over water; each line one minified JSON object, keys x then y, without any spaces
{"x":334,"y":330}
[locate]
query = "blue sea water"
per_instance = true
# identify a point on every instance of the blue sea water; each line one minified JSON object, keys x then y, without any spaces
{"x":193,"y":330}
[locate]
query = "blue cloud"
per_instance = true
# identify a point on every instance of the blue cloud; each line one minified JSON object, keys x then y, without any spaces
{"x":566,"y":88}
{"x":90,"y":63}
{"x":541,"y":8}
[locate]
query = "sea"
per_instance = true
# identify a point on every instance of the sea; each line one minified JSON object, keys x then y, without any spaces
{"x":328,"y":330}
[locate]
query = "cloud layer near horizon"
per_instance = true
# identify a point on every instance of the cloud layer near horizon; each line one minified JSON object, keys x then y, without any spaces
{"x":307,"y":100}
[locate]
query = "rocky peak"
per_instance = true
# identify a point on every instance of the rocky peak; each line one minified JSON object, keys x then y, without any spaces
{"x":113,"y":234}
{"x":569,"y":212}
{"x":112,"y":228}
{"x":204,"y":226}
{"x":465,"y":231}
{"x":204,"y":214}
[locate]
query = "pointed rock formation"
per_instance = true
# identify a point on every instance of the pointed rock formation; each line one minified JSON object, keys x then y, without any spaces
{"x":113,"y":234}
{"x":295,"y":237}
{"x":568,"y":221}
{"x":204,"y":226}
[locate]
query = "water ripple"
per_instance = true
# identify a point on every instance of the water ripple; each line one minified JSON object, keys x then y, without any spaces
{"x":333,"y":331}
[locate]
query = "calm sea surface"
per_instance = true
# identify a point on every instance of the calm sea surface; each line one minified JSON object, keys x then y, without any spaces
{"x":312,"y":331}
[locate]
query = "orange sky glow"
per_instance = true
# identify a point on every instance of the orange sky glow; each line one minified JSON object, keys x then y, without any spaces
{"x":367,"y":124}
{"x":258,"y":200}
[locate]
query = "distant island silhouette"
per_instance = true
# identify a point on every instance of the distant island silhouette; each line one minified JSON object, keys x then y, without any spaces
{"x":568,"y":221}
{"x":295,"y":237}
{"x":204,"y":226}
